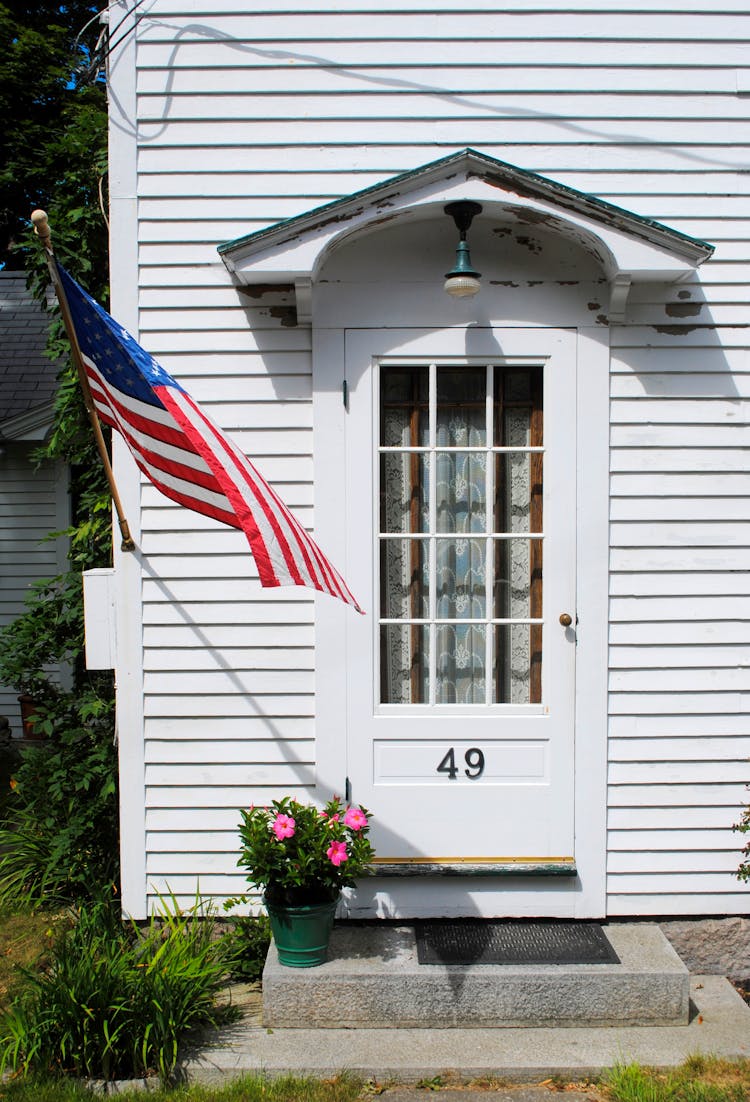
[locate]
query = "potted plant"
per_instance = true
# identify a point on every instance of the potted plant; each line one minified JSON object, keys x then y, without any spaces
{"x":302,"y":856}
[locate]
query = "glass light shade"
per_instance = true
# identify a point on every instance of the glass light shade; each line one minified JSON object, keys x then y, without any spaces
{"x":462,"y":286}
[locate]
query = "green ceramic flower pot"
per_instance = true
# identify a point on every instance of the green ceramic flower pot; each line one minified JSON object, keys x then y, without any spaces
{"x":302,"y":933}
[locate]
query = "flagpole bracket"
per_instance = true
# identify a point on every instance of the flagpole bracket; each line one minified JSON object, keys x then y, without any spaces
{"x":128,"y":543}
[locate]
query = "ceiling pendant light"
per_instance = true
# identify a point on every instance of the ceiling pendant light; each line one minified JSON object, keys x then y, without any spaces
{"x":462,"y":281}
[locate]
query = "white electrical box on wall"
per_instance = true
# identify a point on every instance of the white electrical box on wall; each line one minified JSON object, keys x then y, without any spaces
{"x":99,"y":618}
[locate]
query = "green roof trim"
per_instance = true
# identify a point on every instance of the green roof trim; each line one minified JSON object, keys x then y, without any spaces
{"x":493,"y":172}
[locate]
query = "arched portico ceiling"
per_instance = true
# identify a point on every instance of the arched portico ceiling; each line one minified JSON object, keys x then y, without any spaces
{"x":630,"y":248}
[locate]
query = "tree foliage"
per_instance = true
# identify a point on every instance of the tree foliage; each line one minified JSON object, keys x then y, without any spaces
{"x":60,"y":837}
{"x":54,"y":135}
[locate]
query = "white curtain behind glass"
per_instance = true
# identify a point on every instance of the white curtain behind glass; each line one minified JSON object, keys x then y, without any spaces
{"x":458,"y":520}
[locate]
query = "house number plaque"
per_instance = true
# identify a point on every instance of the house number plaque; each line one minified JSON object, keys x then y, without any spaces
{"x":437,"y":761}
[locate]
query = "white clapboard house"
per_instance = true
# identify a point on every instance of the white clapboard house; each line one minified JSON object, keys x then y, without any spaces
{"x":539,"y":492}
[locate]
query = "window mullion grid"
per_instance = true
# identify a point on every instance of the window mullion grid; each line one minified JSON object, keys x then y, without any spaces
{"x":489,"y":561}
{"x":385,"y":449}
{"x":432,"y":528}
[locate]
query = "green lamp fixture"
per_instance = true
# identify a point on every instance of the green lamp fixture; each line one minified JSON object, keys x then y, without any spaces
{"x":462,"y":280}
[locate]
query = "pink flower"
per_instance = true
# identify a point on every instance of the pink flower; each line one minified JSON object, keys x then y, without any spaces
{"x":283,"y":826}
{"x":355,"y":819}
{"x":336,"y":853}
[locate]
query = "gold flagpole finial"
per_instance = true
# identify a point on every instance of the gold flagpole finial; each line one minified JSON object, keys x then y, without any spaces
{"x":41,"y":228}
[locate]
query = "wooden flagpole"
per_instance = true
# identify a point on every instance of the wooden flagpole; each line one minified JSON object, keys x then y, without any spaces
{"x":43,"y":232}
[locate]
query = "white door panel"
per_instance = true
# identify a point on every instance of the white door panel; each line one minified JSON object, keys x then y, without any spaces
{"x":487,"y":777}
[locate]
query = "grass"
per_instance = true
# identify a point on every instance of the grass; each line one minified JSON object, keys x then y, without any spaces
{"x":26,"y":939}
{"x":699,"y":1079}
{"x":342,"y":1088}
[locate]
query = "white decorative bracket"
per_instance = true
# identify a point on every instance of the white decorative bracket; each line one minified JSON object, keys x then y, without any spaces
{"x":619,"y":289}
{"x":303,"y":292}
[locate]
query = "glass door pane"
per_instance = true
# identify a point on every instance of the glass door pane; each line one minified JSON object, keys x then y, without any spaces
{"x":461,"y":460}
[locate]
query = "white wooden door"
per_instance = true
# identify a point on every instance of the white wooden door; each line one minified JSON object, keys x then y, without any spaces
{"x":460,"y":484}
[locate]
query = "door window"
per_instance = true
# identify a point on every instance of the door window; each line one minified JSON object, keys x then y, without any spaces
{"x":460,"y":534}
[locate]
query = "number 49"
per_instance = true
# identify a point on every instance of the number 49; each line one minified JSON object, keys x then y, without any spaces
{"x":474,"y":759}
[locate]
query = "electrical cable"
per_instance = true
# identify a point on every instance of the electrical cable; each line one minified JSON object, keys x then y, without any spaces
{"x":101,"y":200}
{"x":100,"y":56}
{"x":111,"y":45}
{"x":83,"y":29}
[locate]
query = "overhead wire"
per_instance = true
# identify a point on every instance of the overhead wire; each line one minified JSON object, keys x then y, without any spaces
{"x":111,"y":45}
{"x":99,"y":56}
{"x":86,"y":26}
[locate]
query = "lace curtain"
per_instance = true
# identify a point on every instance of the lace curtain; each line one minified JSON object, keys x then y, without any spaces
{"x":455,"y":521}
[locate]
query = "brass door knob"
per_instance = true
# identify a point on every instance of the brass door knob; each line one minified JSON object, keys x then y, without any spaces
{"x":566,"y":619}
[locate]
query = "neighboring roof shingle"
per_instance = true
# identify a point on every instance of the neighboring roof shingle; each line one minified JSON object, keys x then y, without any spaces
{"x":27,"y":377}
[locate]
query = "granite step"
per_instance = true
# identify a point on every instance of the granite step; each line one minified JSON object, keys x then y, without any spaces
{"x":373,"y":980}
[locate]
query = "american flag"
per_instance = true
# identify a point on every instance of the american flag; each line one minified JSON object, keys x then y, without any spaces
{"x":186,"y":456}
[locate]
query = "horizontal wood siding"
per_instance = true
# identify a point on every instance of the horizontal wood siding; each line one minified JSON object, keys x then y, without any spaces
{"x":245,"y":118}
{"x":679,"y":603}
{"x":228,"y":667}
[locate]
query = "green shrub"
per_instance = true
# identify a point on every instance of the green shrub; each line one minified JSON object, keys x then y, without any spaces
{"x":245,"y":945}
{"x":59,"y":830}
{"x":116,"y":1000}
{"x":59,"y":835}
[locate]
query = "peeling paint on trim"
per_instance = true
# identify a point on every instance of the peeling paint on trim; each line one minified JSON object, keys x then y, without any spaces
{"x":496,"y":173}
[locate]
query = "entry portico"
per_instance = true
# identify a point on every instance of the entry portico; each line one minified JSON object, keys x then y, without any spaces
{"x":461,"y":458}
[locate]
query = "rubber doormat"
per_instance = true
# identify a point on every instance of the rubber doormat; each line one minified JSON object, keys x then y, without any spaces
{"x":493,"y":941}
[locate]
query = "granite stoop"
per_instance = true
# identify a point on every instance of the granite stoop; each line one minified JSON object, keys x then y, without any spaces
{"x":716,"y":1022}
{"x":373,"y":980}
